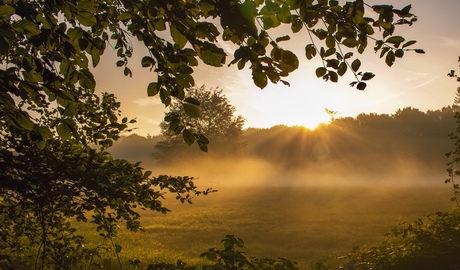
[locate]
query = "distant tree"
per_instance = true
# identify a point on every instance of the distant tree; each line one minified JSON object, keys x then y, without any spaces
{"x":216,"y":122}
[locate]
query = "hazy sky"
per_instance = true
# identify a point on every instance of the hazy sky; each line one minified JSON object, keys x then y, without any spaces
{"x":416,"y":80}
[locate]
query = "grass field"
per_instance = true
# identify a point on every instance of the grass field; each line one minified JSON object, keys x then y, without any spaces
{"x":302,"y":224}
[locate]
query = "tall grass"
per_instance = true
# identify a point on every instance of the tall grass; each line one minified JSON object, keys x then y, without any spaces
{"x":302,"y":224}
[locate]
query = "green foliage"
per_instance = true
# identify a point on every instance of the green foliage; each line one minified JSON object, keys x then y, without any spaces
{"x":216,"y":125}
{"x":48,"y":47}
{"x":430,"y":242}
{"x":229,"y":258}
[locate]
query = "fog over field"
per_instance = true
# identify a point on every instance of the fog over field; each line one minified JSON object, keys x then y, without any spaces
{"x":404,"y":149}
{"x":307,"y":195}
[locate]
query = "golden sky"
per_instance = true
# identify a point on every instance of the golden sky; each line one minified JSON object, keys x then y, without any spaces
{"x":417,"y":80}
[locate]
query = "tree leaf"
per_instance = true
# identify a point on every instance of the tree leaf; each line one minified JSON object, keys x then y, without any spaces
{"x":152,"y":89}
{"x":390,"y":58}
{"x":191,"y":110}
{"x":333,"y":76}
{"x":259,"y":78}
{"x":395,"y":40}
{"x":320,"y":71}
{"x":86,"y":79}
{"x":310,"y":51}
{"x":6,"y":11}
{"x":177,"y":37}
{"x":64,"y":131}
{"x":407,"y":44}
{"x":188,"y":137}
{"x":87,"y":18}
{"x":192,"y":101}
{"x":367,"y":76}
{"x":399,"y":53}
{"x":283,"y":38}
{"x":355,"y":65}
{"x":147,"y":61}
{"x":185,"y":80}
{"x":23,"y":119}
{"x":361,"y":86}
{"x":342,"y":68}
{"x":350,"y":42}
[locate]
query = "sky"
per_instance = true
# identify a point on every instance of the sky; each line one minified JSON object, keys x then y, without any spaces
{"x":417,"y":80}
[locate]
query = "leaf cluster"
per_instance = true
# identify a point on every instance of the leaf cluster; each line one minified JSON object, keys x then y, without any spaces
{"x":430,"y":242}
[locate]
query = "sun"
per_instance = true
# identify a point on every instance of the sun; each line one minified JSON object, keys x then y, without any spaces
{"x":313,"y":120}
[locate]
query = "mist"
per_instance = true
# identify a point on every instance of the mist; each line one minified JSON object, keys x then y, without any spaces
{"x":404,"y":149}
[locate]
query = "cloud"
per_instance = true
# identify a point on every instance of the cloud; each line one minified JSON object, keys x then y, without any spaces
{"x":449,"y":42}
{"x":147,"y":101}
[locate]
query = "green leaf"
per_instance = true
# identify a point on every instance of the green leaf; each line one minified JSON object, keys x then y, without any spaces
{"x":191,"y":110}
{"x":289,"y":61}
{"x":127,"y":72}
{"x":124,"y":16}
{"x":361,"y":86}
{"x":350,"y":42}
{"x":211,"y":55}
{"x":367,"y":76}
{"x":355,"y":65}
{"x":310,"y":51}
{"x":342,"y":68}
{"x":390,"y":58}
{"x":185,"y":80}
{"x":283,"y":38}
{"x":87,"y":6}
{"x":152,"y":89}
{"x":399,"y":53}
{"x":23,"y":119}
{"x":86,"y":79}
{"x":177,"y":37}
{"x":407,"y":44}
{"x":330,"y":41}
{"x":27,"y":27}
{"x":188,"y":137}
{"x":192,"y":101}
{"x":259,"y":78}
{"x":333,"y":76}
{"x":395,"y":40}
{"x":6,"y":11}
{"x":87,"y":18}
{"x":64,"y":131}
{"x":320,"y":71}
{"x":147,"y":61}
{"x":320,"y":33}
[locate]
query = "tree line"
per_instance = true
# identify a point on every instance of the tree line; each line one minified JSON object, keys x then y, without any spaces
{"x":369,"y":142}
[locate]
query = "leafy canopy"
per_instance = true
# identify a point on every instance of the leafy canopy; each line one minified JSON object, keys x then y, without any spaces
{"x":48,"y":47}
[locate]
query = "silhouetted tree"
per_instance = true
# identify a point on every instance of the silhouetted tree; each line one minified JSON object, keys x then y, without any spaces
{"x":216,"y":122}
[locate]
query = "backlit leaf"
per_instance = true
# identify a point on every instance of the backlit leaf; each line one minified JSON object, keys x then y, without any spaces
{"x":355,"y":65}
{"x":367,"y":76}
{"x":188,"y":137}
{"x":390,"y":58}
{"x":191,"y":110}
{"x":152,"y":89}
{"x":320,"y":71}
{"x":259,"y":78}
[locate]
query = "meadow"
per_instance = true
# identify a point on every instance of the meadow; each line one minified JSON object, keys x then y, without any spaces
{"x":304,"y":224}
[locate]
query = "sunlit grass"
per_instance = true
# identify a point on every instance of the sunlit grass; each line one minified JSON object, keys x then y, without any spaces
{"x":302,"y":224}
